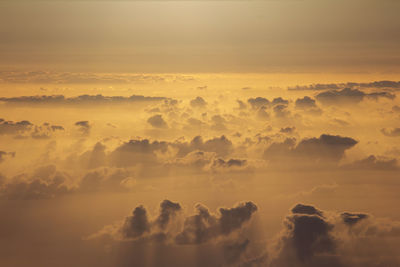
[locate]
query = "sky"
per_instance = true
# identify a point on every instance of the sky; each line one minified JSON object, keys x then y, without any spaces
{"x":200,"y":36}
{"x":199,"y":133}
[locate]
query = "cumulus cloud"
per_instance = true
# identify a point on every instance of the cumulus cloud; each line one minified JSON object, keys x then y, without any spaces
{"x":4,"y":155}
{"x":258,"y":102}
{"x":349,"y":96}
{"x":196,"y":229}
{"x":394,"y":132}
{"x":43,"y":77}
{"x":198,"y":102}
{"x":324,"y":149}
{"x":281,"y":111}
{"x":82,"y":99}
{"x":311,"y":238}
{"x":12,"y":128}
{"x":45,"y":182}
{"x":83,"y":126}
{"x":335,"y":86}
{"x":204,"y":226}
{"x":373,"y":162}
{"x":157,"y":121}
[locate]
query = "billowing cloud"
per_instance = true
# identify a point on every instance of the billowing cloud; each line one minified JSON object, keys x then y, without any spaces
{"x":83,"y":126}
{"x":259,"y":102}
{"x":394,"y":132}
{"x":12,"y":128}
{"x":197,"y":229}
{"x":198,"y":102}
{"x":336,"y":86}
{"x":4,"y":155}
{"x":349,"y":96}
{"x":324,"y":149}
{"x":82,"y":99}
{"x":157,"y":121}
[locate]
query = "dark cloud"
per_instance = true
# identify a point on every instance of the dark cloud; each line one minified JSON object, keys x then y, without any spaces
{"x":281,"y":111}
{"x":306,"y":209}
{"x":305,"y":103}
{"x":262,"y":113}
{"x":168,"y":209}
{"x":341,"y":239}
{"x":45,"y":182}
{"x":373,"y":163}
{"x":259,"y":102}
{"x":197,"y":229}
{"x":83,"y":126}
{"x":325,"y":149}
{"x":308,"y":105}
{"x":394,"y":132}
{"x":279,"y":100}
{"x":220,"y":163}
{"x":4,"y":155}
{"x":349,"y":96}
{"x":136,"y":225}
{"x":51,"y":77}
{"x":306,"y":241}
{"x":13,"y":128}
{"x":137,"y":152}
{"x":353,"y":218}
{"x":288,"y":130}
{"x":336,"y":86}
{"x":241,"y":104}
{"x":204,"y":226}
{"x":157,"y":121}
{"x":222,"y":146}
{"x":198,"y":102}
{"x":82,"y":99}
{"x":396,"y":108}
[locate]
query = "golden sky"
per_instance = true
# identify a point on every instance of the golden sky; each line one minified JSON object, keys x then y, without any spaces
{"x":199,"y":133}
{"x":200,"y":36}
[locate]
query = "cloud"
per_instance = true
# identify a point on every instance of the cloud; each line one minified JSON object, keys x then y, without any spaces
{"x":308,"y":105}
{"x":349,"y":96}
{"x":44,"y":183}
{"x":305,"y":103}
{"x":258,"y":102}
{"x":373,"y":163}
{"x":168,"y":210}
{"x":288,"y":130}
{"x":157,"y":121}
{"x":198,"y":102}
{"x":12,"y":128}
{"x":324,"y":149}
{"x":4,"y":155}
{"x":204,"y":226}
{"x":336,"y":86}
{"x":24,"y":129}
{"x":345,"y":239}
{"x":281,"y":111}
{"x":353,"y":218}
{"x":279,"y":101}
{"x":79,"y":100}
{"x":197,"y":229}
{"x":394,"y":132}
{"x":52,"y":77}
{"x":84,"y":127}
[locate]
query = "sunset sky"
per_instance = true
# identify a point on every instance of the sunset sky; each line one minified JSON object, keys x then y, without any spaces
{"x":200,"y":133}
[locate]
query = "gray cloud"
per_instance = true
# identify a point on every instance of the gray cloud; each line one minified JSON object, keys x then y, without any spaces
{"x":82,"y":99}
{"x":349,"y":96}
{"x":157,"y":121}
{"x":394,"y":132}
{"x":336,"y":86}
{"x":325,"y":149}
{"x":198,"y":102}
